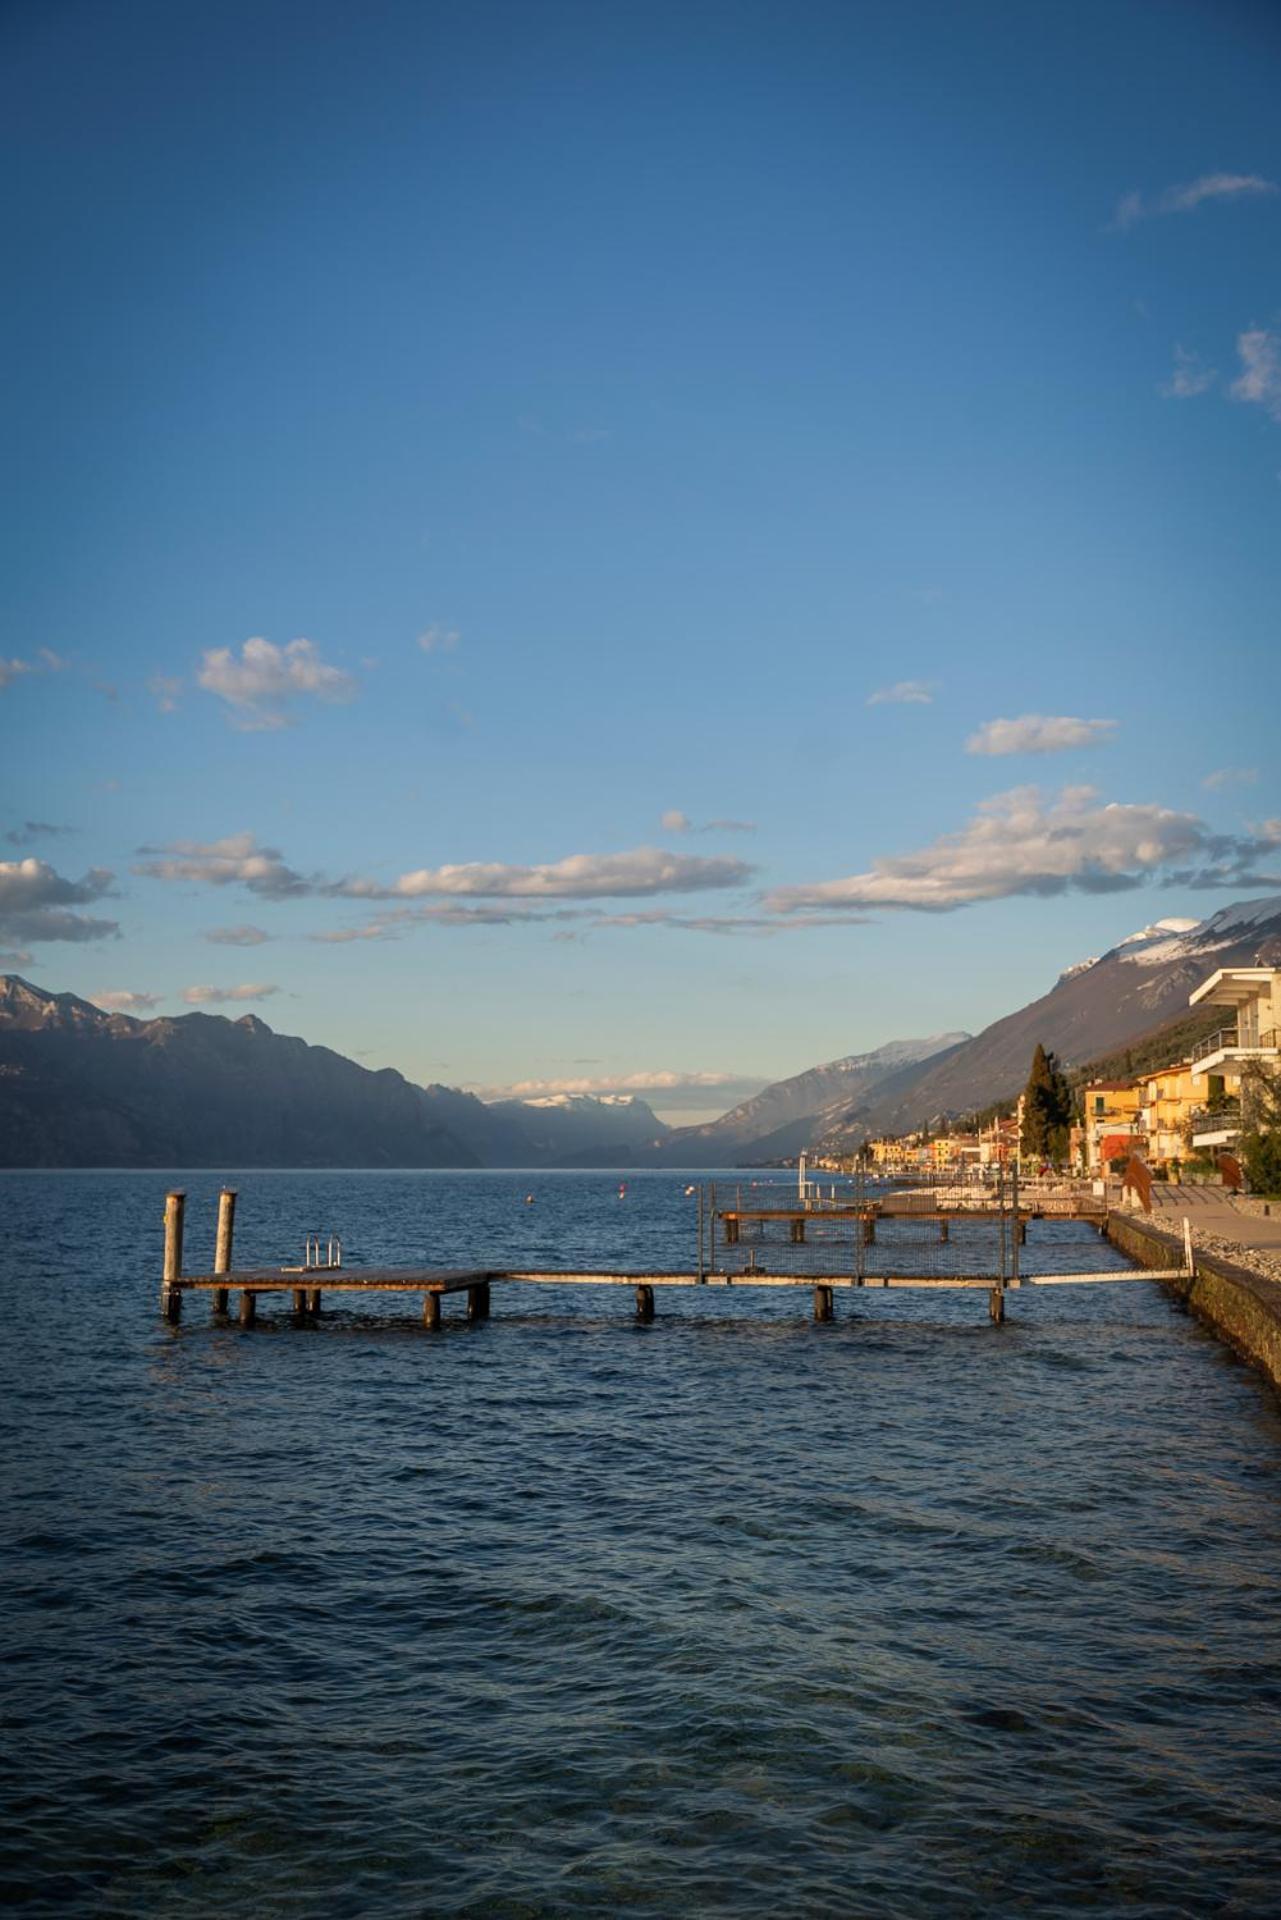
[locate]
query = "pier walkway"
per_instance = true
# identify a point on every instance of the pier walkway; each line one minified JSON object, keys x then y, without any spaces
{"x":306,"y":1285}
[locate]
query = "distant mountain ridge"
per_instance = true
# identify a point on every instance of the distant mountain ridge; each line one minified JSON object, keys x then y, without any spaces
{"x":785,"y":1117}
{"x":81,"y":1087}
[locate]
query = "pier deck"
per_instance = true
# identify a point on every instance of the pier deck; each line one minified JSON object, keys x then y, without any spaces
{"x":308,"y":1283}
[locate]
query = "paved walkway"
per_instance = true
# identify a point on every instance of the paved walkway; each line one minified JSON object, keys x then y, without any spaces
{"x":1211,"y":1211}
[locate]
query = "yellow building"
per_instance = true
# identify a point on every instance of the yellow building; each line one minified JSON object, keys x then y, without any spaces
{"x":1112,"y":1127}
{"x":1175,"y":1103}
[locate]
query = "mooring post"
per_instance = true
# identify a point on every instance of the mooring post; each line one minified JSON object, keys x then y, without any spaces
{"x":798,"y":1231}
{"x":945,"y":1230}
{"x":700,"y":1231}
{"x":644,"y":1302}
{"x":431,"y":1312}
{"x":300,"y":1301}
{"x":869,"y":1229}
{"x":1020,"y":1233}
{"x":478,"y":1301}
{"x":313,"y":1299}
{"x":824,"y":1308}
{"x":248,"y":1307}
{"x":222,"y":1243}
{"x":996,"y":1306}
{"x":170,"y":1292}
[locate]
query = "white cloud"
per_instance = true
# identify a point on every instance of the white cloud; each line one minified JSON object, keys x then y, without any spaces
{"x":439,"y":640}
{"x":1189,"y":377}
{"x":120,"y":1000}
{"x":1132,"y":207}
{"x":905,"y":693}
{"x":36,"y":903}
{"x":643,"y":870}
{"x":259,"y":686}
{"x":1230,"y":777}
{"x":674,"y":821}
{"x":221,"y":996}
{"x":1038,"y":733}
{"x":1260,"y":379}
{"x":236,"y":936}
{"x":45,"y":661}
{"x":235,"y":860}
{"x":239,"y":860}
{"x":1018,"y":843}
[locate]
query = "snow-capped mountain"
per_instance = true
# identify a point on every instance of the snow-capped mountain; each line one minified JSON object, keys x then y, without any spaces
{"x":1093,"y":1008}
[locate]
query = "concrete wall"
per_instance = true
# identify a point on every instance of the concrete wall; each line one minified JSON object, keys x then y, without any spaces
{"x":1241,"y":1307}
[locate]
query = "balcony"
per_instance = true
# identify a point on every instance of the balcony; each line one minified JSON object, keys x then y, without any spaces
{"x":1215,"y":1126}
{"x":1228,"y":1047}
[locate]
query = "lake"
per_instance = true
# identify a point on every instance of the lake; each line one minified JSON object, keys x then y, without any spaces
{"x":730,"y":1614}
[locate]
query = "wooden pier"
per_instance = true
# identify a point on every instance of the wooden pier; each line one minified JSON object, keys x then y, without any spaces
{"x":307,"y":1284}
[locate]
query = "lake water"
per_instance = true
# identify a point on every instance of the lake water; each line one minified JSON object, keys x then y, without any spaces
{"x":731,"y":1614}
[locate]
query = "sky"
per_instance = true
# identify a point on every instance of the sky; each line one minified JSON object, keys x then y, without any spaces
{"x":574,"y":546}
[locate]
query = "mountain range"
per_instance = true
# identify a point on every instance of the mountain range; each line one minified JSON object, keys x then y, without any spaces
{"x":83,"y":1087}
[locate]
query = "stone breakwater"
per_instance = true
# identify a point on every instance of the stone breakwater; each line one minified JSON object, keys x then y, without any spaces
{"x":1235,"y":1290}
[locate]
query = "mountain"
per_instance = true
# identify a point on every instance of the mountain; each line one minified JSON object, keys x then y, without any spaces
{"x":80,"y":1087}
{"x":583,"y":1129}
{"x":1092,"y":1009}
{"x":784,"y":1118}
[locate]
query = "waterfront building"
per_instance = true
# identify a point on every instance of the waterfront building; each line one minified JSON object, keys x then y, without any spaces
{"x":1112,"y":1128}
{"x":1251,"y":1034}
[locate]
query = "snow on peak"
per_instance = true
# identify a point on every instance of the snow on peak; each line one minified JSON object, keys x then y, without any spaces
{"x":1157,"y":928}
{"x":1246,"y":913}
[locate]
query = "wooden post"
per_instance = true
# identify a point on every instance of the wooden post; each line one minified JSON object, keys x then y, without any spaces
{"x":945,"y":1230}
{"x":171,"y":1295}
{"x":996,"y":1305}
{"x":700,"y":1231}
{"x":869,"y":1230}
{"x":222,"y":1243}
{"x":1020,"y":1234}
{"x":300,"y":1301}
{"x":823,"y":1306}
{"x":644,"y":1302}
{"x":431,"y":1312}
{"x":313,"y":1299}
{"x":798,"y":1232}
{"x":731,"y":1229}
{"x":478,"y":1301}
{"x":248,"y":1307}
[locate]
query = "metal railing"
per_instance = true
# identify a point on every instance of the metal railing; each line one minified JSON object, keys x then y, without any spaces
{"x":1209,"y":1119}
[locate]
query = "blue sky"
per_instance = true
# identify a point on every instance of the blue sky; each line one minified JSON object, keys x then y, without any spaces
{"x":442,"y":442}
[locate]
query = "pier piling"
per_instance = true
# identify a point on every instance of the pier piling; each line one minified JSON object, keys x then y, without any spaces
{"x":431,"y":1312}
{"x":222,"y":1244}
{"x":996,"y":1306}
{"x":478,"y":1301}
{"x":824,"y":1307}
{"x":248,"y":1307}
{"x":171,"y":1295}
{"x":644,"y":1302}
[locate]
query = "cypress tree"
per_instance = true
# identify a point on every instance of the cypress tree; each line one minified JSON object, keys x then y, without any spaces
{"x":1047,"y":1110}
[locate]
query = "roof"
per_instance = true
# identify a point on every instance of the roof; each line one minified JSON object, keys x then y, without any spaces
{"x":1232,"y":986}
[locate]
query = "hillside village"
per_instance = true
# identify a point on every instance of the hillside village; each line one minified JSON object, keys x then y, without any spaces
{"x":1194,"y":1115}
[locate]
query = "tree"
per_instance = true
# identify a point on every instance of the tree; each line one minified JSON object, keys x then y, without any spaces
{"x":1047,"y":1110}
{"x":1260,"y":1144}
